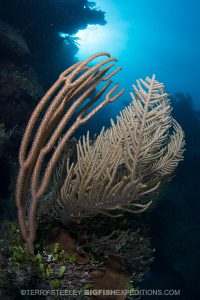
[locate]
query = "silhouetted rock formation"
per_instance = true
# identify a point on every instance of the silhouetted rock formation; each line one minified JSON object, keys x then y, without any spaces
{"x":40,"y":21}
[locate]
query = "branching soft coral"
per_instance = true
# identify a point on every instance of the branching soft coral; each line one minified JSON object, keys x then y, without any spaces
{"x":126,"y":163}
{"x":73,"y":94}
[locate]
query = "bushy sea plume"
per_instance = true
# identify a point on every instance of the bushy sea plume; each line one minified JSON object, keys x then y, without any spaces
{"x":124,"y":166}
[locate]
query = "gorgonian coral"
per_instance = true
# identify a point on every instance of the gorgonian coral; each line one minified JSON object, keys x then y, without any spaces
{"x":126,"y":163}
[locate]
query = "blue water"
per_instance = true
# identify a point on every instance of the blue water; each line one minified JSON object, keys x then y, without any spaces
{"x":160,"y":37}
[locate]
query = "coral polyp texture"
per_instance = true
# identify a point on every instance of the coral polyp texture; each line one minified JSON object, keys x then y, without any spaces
{"x":124,"y":165}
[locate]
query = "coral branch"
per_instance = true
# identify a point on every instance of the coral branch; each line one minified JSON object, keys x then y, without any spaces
{"x":71,"y":90}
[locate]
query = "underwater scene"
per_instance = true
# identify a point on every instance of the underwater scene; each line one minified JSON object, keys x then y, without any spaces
{"x":99,"y":149}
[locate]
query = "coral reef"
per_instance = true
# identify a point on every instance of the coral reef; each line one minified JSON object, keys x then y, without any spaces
{"x":54,"y":268}
{"x":118,"y":171}
{"x":122,"y":166}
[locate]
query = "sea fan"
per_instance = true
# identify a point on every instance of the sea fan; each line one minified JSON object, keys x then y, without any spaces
{"x":126,"y":163}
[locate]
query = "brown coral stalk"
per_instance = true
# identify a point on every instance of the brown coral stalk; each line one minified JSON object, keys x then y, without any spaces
{"x":63,"y":100}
